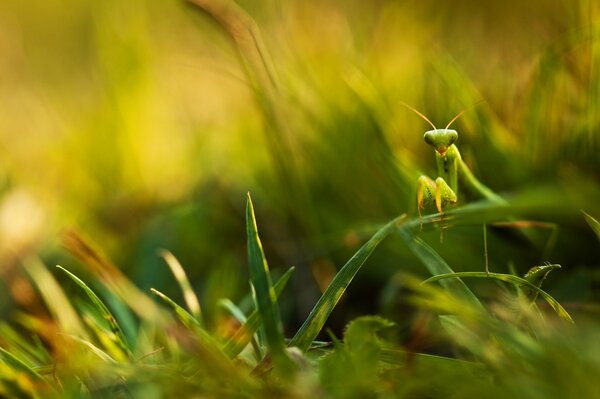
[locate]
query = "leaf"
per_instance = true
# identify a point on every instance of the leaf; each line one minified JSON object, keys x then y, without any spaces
{"x":242,"y":336}
{"x":266,"y":299}
{"x":509,"y":278}
{"x":188,"y":294}
{"x":594,"y":224}
{"x":186,"y":318}
{"x":17,"y":364}
{"x":106,"y":314}
{"x":325,"y":305}
{"x":237,"y":313}
{"x":436,"y":265}
{"x":55,"y":298}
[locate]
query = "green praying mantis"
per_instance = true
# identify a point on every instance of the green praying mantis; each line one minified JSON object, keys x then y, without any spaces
{"x":443,"y":190}
{"x":451,"y":167}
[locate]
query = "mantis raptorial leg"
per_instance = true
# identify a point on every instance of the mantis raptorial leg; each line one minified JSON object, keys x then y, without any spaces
{"x":451,"y":168}
{"x":443,"y":191}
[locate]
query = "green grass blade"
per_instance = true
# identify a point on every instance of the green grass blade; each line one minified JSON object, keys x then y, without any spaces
{"x":17,"y":364}
{"x":188,"y":294}
{"x":509,"y":278}
{"x":243,"y":335}
{"x":594,"y":224}
{"x":55,"y":298}
{"x":186,"y":317}
{"x":95,"y":350}
{"x":106,"y":314}
{"x":237,"y":313}
{"x":266,"y":299}
{"x":436,"y":265}
{"x":320,"y":313}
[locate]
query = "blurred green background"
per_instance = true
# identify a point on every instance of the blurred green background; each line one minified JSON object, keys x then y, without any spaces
{"x":143,"y":124}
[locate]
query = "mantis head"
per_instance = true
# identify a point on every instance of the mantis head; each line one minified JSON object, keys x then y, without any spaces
{"x":441,"y":139}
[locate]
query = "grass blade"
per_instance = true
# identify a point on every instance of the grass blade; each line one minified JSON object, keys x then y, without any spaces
{"x":509,"y":278}
{"x":594,"y":224}
{"x":57,"y":302}
{"x":436,"y":265}
{"x":186,"y":318}
{"x":241,"y":317}
{"x":244,"y":334}
{"x":266,"y":299}
{"x":106,"y":314}
{"x":17,"y":364}
{"x":320,"y":313}
{"x":188,"y":294}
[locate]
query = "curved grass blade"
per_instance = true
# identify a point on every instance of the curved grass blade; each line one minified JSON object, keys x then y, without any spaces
{"x":106,"y":314}
{"x":97,"y":351}
{"x":509,"y":278}
{"x":17,"y":364}
{"x":243,"y":335}
{"x":266,"y":299}
{"x":320,"y":313}
{"x":188,"y":294}
{"x":594,"y":224}
{"x":55,"y":298}
{"x":436,"y":265}
{"x":237,"y":313}
{"x":186,"y":318}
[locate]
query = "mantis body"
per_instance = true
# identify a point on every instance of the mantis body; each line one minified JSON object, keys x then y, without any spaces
{"x":451,"y":168}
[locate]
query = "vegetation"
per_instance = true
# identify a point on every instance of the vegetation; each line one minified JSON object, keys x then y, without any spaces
{"x":130,"y":127}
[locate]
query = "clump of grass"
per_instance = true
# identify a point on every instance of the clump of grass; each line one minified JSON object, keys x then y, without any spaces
{"x":482,"y":345}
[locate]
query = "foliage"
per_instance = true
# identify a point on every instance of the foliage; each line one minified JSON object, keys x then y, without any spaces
{"x":143,"y":123}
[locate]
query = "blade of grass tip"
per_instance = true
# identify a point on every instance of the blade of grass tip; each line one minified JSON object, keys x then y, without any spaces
{"x":186,"y":318}
{"x":509,"y":278}
{"x":436,"y":265}
{"x":106,"y":314}
{"x":55,"y":298}
{"x":266,"y":299}
{"x":188,"y":294}
{"x":17,"y":364}
{"x":242,"y":336}
{"x":207,"y":347}
{"x":110,"y":275}
{"x":594,"y":224}
{"x":320,"y":313}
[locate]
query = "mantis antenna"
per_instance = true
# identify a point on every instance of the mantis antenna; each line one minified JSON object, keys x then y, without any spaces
{"x":455,"y":118}
{"x":423,"y":116}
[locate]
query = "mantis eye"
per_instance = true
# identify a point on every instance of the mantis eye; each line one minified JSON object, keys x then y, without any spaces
{"x":453,"y":138}
{"x":428,"y":139}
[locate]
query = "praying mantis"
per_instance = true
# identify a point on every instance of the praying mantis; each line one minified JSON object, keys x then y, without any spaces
{"x":451,"y":168}
{"x":443,"y":190}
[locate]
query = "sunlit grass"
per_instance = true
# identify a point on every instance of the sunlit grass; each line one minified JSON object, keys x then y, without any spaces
{"x":144,"y":124}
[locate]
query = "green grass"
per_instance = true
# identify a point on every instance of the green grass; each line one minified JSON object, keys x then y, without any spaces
{"x":149,"y":122}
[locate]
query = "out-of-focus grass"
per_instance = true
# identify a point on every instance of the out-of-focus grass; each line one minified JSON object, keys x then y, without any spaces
{"x":144,"y":123}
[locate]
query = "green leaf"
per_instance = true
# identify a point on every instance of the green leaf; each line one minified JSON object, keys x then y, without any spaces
{"x":436,"y":265}
{"x":106,"y":314}
{"x":266,"y":299}
{"x":243,"y":335}
{"x":594,"y":224}
{"x":55,"y":298}
{"x":186,"y":318}
{"x":18,"y":364}
{"x":320,"y":313}
{"x":188,"y":294}
{"x":509,"y":278}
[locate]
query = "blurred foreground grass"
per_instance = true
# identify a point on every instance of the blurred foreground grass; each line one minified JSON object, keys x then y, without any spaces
{"x":143,"y":124}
